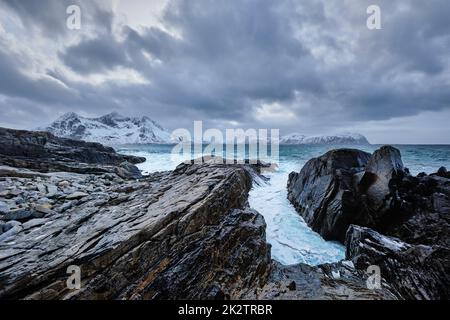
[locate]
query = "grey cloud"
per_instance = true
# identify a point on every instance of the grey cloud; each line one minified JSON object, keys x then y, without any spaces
{"x":16,"y":83}
{"x":46,"y":15}
{"x":231,"y":56}
{"x":225,"y":59}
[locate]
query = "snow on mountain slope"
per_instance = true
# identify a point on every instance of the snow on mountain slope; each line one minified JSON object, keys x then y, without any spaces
{"x":345,"y":139}
{"x":111,"y":129}
{"x":293,"y":138}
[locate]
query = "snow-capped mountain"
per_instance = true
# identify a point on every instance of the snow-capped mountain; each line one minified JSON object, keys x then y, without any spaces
{"x":340,"y":139}
{"x":111,"y":129}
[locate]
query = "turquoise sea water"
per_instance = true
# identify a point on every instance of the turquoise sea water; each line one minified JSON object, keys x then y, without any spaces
{"x":291,"y":239}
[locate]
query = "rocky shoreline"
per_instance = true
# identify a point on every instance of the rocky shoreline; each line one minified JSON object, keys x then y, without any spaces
{"x":384,"y":215}
{"x":44,"y":152}
{"x":190,"y":233}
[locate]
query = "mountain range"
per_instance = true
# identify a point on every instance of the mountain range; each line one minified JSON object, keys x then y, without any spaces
{"x":116,"y":129}
{"x":339,"y":139}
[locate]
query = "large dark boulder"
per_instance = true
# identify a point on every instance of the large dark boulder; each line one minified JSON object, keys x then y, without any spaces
{"x":376,"y":190}
{"x":442,"y":172}
{"x":324,"y":191}
{"x":345,"y":187}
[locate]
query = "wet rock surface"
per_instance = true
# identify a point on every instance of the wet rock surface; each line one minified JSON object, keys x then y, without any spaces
{"x":407,"y":230}
{"x":414,"y":271}
{"x":181,"y":234}
{"x":323,"y":191}
{"x":337,"y":281}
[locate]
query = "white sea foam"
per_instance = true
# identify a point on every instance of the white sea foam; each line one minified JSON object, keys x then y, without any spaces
{"x":291,"y":239}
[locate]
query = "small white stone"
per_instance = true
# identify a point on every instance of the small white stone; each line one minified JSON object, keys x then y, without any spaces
{"x":336,"y":275}
{"x":77,"y":195}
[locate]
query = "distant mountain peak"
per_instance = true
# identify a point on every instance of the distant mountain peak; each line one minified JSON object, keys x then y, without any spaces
{"x":338,"y":139}
{"x":68,"y":116}
{"x":110,"y":129}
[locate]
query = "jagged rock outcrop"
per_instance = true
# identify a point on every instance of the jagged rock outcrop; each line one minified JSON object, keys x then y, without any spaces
{"x":174,"y":235}
{"x":383,"y":196}
{"x":345,"y":187}
{"x":44,"y":152}
{"x":420,"y":210}
{"x":323,"y":192}
{"x":414,"y":271}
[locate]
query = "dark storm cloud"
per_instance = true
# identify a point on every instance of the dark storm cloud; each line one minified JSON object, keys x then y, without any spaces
{"x":226,"y":58}
{"x":94,"y":55}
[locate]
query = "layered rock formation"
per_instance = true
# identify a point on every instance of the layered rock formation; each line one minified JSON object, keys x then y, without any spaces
{"x":413,"y":271}
{"x":347,"y":187}
{"x":181,"y":234}
{"x":44,"y":152}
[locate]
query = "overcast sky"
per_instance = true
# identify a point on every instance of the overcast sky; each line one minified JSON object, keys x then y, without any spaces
{"x":304,"y":66}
